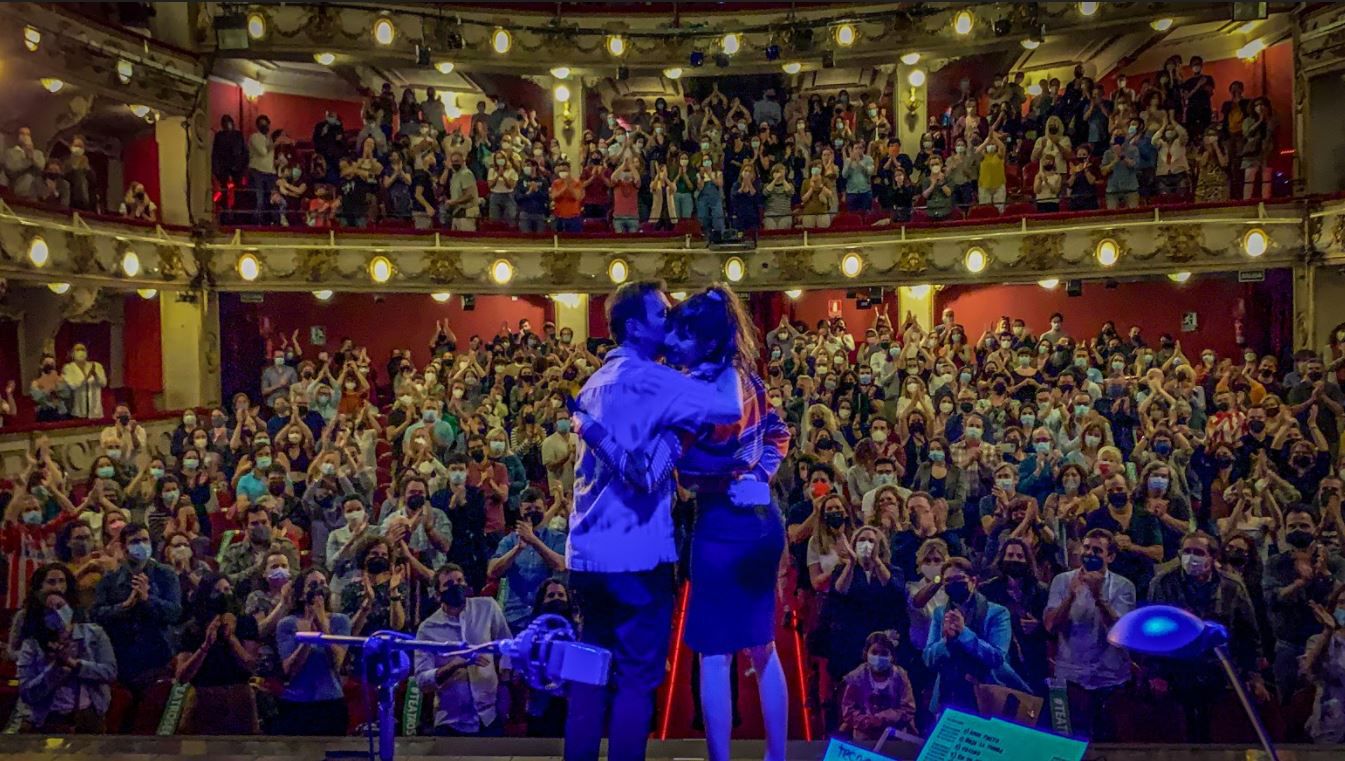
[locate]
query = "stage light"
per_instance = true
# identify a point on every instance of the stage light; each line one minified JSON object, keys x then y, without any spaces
{"x":976,"y":260}
{"x":618,"y":271}
{"x":32,"y":38}
{"x":52,"y":84}
{"x":910,"y":59}
{"x":963,"y":22}
{"x":1050,"y":283}
{"x":559,"y":72}
{"x":1251,"y":50}
{"x":130,"y":263}
{"x":256,"y":25}
{"x":794,"y":294}
{"x":1255,"y":242}
{"x":845,"y":35}
{"x":1088,"y":9}
{"x":125,"y":70}
{"x":380,"y":269}
{"x":616,"y":45}
{"x":673,"y":72}
{"x":1179,"y":277}
{"x":38,"y":253}
{"x":326,"y":59}
{"x":851,"y":265}
{"x":697,"y":59}
{"x":916,"y":78}
{"x":138,"y":109}
{"x":59,"y":289}
{"x":502,"y":271}
{"x":1030,"y":44}
{"x":919,"y":291}
{"x":734,"y":269}
{"x":147,"y":293}
{"x":562,"y":94}
{"x":252,"y":89}
{"x":1161,"y":24}
{"x":384,"y":31}
{"x":501,"y":41}
{"x":323,"y":295}
{"x":249,"y":267}
{"x":1107,"y":252}
{"x":731,"y":43}
{"x":441,"y":296}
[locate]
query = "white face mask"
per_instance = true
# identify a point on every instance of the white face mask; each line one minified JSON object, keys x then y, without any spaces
{"x":355,"y":517}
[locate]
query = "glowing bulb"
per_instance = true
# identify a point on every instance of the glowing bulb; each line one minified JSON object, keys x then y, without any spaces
{"x":384,"y":31}
{"x":1088,"y":9}
{"x":138,"y":110}
{"x":1255,"y":242}
{"x":1161,"y":24}
{"x":52,"y":84}
{"x":1029,"y":44}
{"x":380,"y":269}
{"x":256,"y":26}
{"x":963,"y":22}
{"x":845,"y":35}
{"x":910,"y":59}
{"x":731,"y":43}
{"x":323,"y":295}
{"x":679,"y":295}
{"x":794,"y":294}
{"x":1107,"y":252}
{"x":444,"y":67}
{"x":1049,"y":283}
{"x":441,"y":296}
{"x":59,"y":288}
{"x":252,"y":89}
{"x":975,"y":260}
{"x":562,"y":94}
{"x":502,"y":271}
{"x":130,"y":263}
{"x":851,"y":265}
{"x":616,"y":45}
{"x":326,"y":59}
{"x":1251,"y":50}
{"x":916,"y":78}
{"x":734,"y":269}
{"x":919,"y":291}
{"x":249,"y":267}
{"x":501,"y":41}
{"x":618,"y":271}
{"x":793,"y":67}
{"x":147,"y":293}
{"x":560,"y":72}
{"x":1179,"y":277}
{"x":31,"y":38}
{"x":125,"y":70}
{"x":673,"y":72}
{"x":38,"y":253}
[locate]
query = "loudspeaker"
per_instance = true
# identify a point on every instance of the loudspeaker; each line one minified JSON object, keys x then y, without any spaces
{"x":622,"y":72}
{"x":1073,"y":287}
{"x":468,"y":302}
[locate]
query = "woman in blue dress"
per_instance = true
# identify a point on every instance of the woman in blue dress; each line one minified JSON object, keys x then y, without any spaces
{"x":739,"y":538}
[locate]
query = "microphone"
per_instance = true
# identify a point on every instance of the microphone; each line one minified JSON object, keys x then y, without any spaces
{"x":547,"y":656}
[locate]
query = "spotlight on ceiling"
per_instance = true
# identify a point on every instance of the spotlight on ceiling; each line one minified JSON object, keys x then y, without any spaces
{"x":616,"y":45}
{"x":380,"y":269}
{"x":731,"y":43}
{"x":384,"y":31}
{"x":963,"y":22}
{"x":501,"y":41}
{"x":846,"y":35}
{"x":256,"y":25}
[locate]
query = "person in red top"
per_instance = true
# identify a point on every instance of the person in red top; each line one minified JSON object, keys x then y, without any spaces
{"x":26,"y":540}
{"x":567,"y":193}
{"x":626,"y":196}
{"x":597,"y":188}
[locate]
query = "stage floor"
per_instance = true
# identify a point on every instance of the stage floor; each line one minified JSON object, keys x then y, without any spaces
{"x":128,"y":748}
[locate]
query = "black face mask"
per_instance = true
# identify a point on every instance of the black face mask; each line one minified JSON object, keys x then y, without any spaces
{"x":556,"y":608}
{"x":1117,"y":498}
{"x":959,"y":592}
{"x":454,"y":595}
{"x":1223,"y":406}
{"x":415,"y":502}
{"x":1315,"y":376}
{"x":1016,"y":569}
{"x":478,"y":455}
{"x":1224,"y":462}
{"x":378,"y":565}
{"x":965,"y":406}
{"x":219,"y":603}
{"x":1302,"y":461}
{"x":535,"y":518}
{"x":124,"y":419}
{"x":835,"y":520}
{"x":917,"y":426}
{"x":1256,"y":426}
{"x":1237,"y":559}
{"x":1299,"y":539}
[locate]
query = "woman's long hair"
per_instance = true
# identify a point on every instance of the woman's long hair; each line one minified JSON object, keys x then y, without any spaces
{"x":717,"y":315}
{"x":35,"y":605}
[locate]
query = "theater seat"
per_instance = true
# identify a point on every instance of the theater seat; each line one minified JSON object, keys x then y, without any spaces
{"x":494,"y":226}
{"x":1019,"y":209}
{"x":983,"y":212}
{"x":597,"y":225}
{"x":847,"y":220}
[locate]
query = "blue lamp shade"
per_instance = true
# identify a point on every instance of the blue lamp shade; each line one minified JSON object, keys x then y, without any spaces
{"x":1165,"y":630}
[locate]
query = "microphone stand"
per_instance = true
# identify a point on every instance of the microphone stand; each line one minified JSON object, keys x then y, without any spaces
{"x":1225,"y":660}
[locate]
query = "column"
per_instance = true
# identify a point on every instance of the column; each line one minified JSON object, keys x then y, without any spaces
{"x":919,"y":301}
{"x":572,"y":313}
{"x":171,"y":136}
{"x":189,"y":337}
{"x":567,"y":125}
{"x":910,"y":106}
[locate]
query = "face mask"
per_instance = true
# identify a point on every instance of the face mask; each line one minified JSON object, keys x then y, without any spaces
{"x":958,"y":591}
{"x":1092,"y":440}
{"x":1299,"y":539}
{"x":457,"y":477}
{"x":879,"y":436}
{"x":974,"y":434}
{"x":1117,"y":498}
{"x":80,"y":356}
{"x":61,"y":618}
{"x":936,"y":455}
{"x":139,"y":552}
{"x":106,"y":471}
{"x":1016,"y":569}
{"x":497,"y":447}
{"x":454,"y":596}
{"x":880,"y":663}
{"x":32,"y":517}
{"x":1158,"y":483}
{"x":190,"y":464}
{"x":864,"y":548}
{"x":1006,"y":484}
{"x":1091,"y":563}
{"x":1195,"y":565}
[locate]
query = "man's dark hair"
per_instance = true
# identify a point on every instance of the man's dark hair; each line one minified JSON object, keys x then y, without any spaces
{"x":530,"y":494}
{"x":132,"y":529}
{"x":455,"y":458}
{"x":1102,"y":533}
{"x":254,"y":507}
{"x":821,"y":467}
{"x":628,"y":303}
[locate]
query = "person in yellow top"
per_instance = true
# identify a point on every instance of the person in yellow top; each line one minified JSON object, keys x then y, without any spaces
{"x":991,"y":184}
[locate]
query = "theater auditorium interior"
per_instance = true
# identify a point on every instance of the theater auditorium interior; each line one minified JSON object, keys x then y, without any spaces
{"x":300,"y":304}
